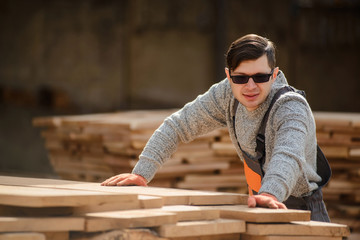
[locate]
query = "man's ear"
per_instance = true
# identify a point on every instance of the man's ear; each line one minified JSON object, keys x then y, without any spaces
{"x":275,"y":73}
{"x":227,"y":72}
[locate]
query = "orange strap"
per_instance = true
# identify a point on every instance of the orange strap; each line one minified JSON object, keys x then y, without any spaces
{"x":253,"y":179}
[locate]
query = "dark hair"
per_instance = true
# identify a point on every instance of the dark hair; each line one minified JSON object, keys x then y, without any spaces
{"x":250,"y":47}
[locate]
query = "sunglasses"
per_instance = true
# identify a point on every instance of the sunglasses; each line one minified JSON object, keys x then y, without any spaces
{"x":258,"y":78}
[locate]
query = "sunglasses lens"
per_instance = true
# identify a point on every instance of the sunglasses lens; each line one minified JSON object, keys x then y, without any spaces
{"x":240,"y":79}
{"x":261,"y":78}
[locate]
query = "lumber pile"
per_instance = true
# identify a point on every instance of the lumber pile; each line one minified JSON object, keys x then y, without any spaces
{"x":94,"y":147}
{"x":72,"y":210}
{"x":338,"y":135}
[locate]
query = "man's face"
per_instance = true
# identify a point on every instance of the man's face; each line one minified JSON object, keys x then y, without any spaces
{"x":252,"y":94}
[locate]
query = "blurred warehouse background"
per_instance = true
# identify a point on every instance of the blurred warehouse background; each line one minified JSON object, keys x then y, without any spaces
{"x":63,"y":57}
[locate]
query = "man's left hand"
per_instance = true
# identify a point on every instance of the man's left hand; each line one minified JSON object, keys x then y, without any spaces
{"x":265,"y":200}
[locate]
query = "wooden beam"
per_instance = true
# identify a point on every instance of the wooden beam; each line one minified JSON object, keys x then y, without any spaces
{"x":41,"y":224}
{"x":46,"y":197}
{"x":311,"y":228}
{"x":254,"y":237}
{"x":22,"y":236}
{"x":201,"y":228}
{"x":261,"y":215}
{"x":127,"y":219}
{"x":192,"y":213}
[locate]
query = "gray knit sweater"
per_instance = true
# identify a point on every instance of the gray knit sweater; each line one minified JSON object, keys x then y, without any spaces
{"x":290,"y":164}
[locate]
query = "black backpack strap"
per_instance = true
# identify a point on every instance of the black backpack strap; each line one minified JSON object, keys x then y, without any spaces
{"x":322,"y":168}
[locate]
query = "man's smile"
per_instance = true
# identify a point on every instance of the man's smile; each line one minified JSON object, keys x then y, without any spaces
{"x":250,"y":96}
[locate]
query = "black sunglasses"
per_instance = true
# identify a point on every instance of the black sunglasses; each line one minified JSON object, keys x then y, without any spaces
{"x":258,"y":78}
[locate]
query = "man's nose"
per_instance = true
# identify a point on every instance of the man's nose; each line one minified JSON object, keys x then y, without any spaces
{"x":251,"y":84}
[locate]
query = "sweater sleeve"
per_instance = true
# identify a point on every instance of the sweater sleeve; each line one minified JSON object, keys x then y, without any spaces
{"x":206,"y":113}
{"x":293,"y":141}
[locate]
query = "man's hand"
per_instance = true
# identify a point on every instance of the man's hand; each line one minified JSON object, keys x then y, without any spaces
{"x":125,"y":179}
{"x":265,"y":200}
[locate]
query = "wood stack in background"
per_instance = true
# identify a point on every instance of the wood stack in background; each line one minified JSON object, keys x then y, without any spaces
{"x":42,"y":209}
{"x":94,"y":147}
{"x":338,"y":135}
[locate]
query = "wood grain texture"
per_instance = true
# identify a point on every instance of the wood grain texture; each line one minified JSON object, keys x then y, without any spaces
{"x":310,"y":228}
{"x":127,"y":219}
{"x":261,"y":215}
{"x":22,"y":236}
{"x":201,"y":228}
{"x":192,"y":213}
{"x":41,"y":224}
{"x":126,"y":234}
{"x":47,"y":197}
{"x":254,"y":237}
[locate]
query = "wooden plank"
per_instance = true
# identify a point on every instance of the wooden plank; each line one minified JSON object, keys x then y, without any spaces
{"x":211,"y":180}
{"x":261,"y":215}
{"x":223,"y":148}
{"x":57,"y":121}
{"x":126,"y":234}
{"x":228,"y":236}
{"x":107,"y":206}
{"x":41,"y":224}
{"x":46,"y":197}
{"x":350,"y":210}
{"x":344,"y":184}
{"x":184,"y":169}
{"x":311,"y":228}
{"x":333,"y":119}
{"x":355,"y":153}
{"x":335,"y":151}
{"x":192,"y":213}
{"x":125,"y":199}
{"x":207,"y":158}
{"x":352,"y":223}
{"x":215,"y":178}
{"x":354,"y":236}
{"x":22,"y":236}
{"x":57,"y":235}
{"x":150,"y":201}
{"x":127,"y":203}
{"x":173,"y":196}
{"x":170,"y":196}
{"x":201,"y":228}
{"x":16,"y":211}
{"x":254,"y":237}
{"x":127,"y":219}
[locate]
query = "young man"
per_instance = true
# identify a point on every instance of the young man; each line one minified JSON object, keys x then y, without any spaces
{"x":288,"y":174}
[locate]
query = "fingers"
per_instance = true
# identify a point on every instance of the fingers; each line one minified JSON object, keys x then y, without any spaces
{"x":265,"y":201}
{"x":125,"y":179}
{"x":282,"y":206}
{"x":251,"y":202}
{"x":132,"y":182}
{"x":272,"y":204}
{"x":114,"y":180}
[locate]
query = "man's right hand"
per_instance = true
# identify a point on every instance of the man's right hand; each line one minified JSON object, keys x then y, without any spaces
{"x":125,"y":179}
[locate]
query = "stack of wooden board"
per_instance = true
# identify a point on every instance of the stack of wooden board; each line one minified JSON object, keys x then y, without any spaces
{"x":339,"y":137}
{"x":58,"y":209}
{"x":94,"y":147}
